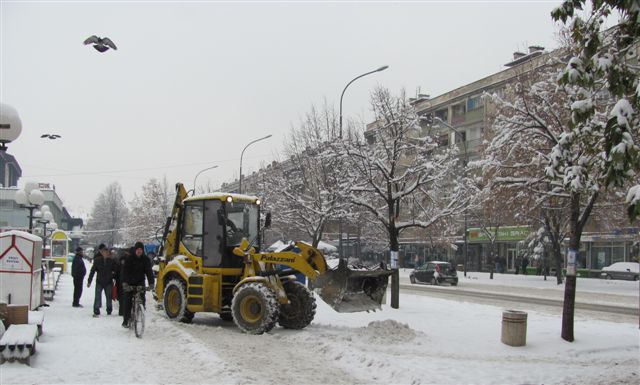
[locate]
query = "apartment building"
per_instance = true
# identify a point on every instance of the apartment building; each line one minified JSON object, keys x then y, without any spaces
{"x":464,"y":115}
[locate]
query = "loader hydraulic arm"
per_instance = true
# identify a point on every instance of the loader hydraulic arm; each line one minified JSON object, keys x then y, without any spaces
{"x":301,"y":257}
{"x":170,"y":237}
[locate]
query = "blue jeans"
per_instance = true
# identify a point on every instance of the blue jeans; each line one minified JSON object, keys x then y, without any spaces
{"x":97,"y":302}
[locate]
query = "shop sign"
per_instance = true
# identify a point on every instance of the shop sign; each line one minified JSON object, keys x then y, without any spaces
{"x":507,"y":233}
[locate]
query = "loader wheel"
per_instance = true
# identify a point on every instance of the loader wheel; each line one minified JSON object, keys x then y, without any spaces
{"x":255,"y":308}
{"x":175,"y":301}
{"x":300,"y":310}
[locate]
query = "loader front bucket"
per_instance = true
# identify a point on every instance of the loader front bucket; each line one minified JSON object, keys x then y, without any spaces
{"x":352,"y":290}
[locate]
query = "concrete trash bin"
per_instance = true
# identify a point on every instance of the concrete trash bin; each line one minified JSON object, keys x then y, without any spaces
{"x":514,"y":328}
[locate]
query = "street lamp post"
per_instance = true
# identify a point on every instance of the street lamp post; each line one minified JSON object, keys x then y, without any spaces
{"x":200,"y":172}
{"x":340,"y":127}
{"x":30,"y":198}
{"x":45,"y":217}
{"x":348,"y":84}
{"x":466,"y":161}
{"x":241,"y":155}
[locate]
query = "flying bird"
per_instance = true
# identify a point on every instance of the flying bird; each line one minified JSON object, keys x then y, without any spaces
{"x":101,"y":44}
{"x":50,"y":136}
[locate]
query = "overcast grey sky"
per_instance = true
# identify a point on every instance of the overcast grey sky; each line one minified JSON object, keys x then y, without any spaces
{"x":193,"y":82}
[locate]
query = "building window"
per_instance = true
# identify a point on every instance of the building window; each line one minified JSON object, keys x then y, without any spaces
{"x":442,"y":114}
{"x":457,"y":113}
{"x":474,"y":103}
{"x":370,"y":137}
{"x":461,"y":136}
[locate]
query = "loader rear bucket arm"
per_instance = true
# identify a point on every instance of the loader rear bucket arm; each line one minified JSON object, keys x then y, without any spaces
{"x":348,"y":291}
{"x":170,"y":234}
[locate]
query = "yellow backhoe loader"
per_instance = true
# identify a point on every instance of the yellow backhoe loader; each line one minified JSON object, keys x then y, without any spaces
{"x":208,"y":263}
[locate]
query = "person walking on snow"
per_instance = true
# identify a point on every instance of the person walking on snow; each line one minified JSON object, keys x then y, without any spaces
{"x":525,"y":263}
{"x":134,"y":269}
{"x":104,"y":267}
{"x":78,"y":271}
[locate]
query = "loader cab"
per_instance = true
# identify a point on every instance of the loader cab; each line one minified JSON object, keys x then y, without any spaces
{"x":213,"y":224}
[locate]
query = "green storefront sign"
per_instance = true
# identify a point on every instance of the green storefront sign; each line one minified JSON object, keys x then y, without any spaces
{"x":507,"y":233}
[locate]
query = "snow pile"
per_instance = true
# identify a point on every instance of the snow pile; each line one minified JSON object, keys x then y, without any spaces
{"x":388,"y":331}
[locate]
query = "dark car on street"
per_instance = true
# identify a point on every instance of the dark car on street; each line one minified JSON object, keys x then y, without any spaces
{"x":435,"y":273}
{"x":622,"y":270}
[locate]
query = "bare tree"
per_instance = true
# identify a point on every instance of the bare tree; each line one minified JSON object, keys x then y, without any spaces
{"x":149,"y":211}
{"x":398,"y":172}
{"x":108,"y":216}
{"x":305,"y":191}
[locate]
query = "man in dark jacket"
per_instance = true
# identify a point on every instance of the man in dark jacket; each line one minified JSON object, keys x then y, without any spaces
{"x":135,"y":268}
{"x":105,"y":267}
{"x":78,"y":271}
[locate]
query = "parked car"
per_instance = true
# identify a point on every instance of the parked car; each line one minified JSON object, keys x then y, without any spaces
{"x":622,"y":270}
{"x":435,"y":273}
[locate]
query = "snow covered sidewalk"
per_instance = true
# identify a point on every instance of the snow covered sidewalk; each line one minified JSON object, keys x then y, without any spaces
{"x":427,"y":341}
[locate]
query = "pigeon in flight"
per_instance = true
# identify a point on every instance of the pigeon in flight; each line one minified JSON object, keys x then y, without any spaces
{"x":101,"y":44}
{"x":50,"y":136}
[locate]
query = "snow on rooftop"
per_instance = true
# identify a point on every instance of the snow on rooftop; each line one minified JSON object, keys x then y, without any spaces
{"x":22,"y":234}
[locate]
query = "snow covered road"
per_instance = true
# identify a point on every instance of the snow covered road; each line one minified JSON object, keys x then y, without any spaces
{"x":428,"y":340}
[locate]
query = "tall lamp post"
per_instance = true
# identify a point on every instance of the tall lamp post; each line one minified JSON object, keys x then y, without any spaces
{"x":466,"y":161}
{"x":45,"y":217}
{"x":348,"y":84}
{"x":340,"y":127}
{"x":200,"y":172}
{"x":241,"y":155}
{"x":30,"y":198}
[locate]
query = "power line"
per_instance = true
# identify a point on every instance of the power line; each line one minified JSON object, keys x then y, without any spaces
{"x":105,"y":173}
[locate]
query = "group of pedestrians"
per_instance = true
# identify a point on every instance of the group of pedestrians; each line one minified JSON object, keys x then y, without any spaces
{"x":129,"y":268}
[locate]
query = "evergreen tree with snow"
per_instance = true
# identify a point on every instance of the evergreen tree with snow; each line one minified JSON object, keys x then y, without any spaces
{"x":598,"y":148}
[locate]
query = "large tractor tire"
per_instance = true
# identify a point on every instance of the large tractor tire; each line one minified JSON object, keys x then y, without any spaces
{"x":175,"y":301}
{"x":300,"y":310}
{"x":255,"y":308}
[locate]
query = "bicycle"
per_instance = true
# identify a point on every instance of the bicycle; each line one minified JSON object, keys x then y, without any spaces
{"x":136,"y":322}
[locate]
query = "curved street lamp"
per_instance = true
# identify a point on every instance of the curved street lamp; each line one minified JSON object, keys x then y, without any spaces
{"x":348,"y":84}
{"x":200,"y":172}
{"x":241,"y":155}
{"x":466,"y":161}
{"x":342,"y":96}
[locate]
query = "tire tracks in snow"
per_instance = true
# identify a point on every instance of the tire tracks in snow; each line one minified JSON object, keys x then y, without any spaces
{"x":280,"y":356}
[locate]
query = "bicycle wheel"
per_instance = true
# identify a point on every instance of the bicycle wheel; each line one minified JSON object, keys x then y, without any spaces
{"x":138,"y":320}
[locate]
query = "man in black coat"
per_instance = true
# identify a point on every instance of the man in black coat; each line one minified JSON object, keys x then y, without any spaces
{"x":78,"y":271}
{"x":135,"y":268}
{"x":106,"y":268}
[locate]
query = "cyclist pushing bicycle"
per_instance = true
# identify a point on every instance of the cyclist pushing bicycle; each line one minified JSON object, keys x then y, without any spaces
{"x":133,"y":271}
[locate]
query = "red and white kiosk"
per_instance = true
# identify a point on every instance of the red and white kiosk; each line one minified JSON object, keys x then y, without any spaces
{"x":20,"y":268}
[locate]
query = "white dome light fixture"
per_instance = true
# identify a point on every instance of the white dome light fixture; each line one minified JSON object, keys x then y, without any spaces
{"x":10,"y":125}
